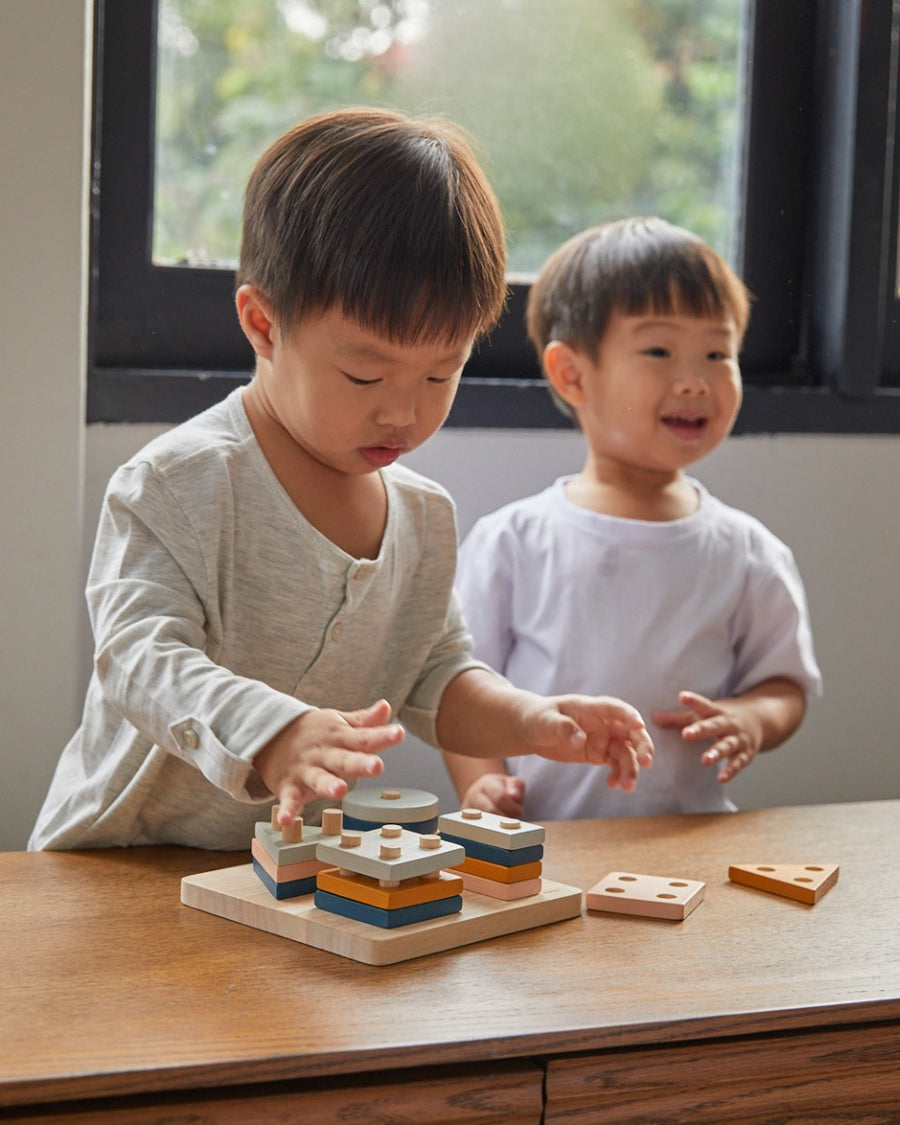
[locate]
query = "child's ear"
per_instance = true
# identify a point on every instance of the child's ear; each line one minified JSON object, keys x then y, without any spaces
{"x":563,"y":368}
{"x":257,"y":320}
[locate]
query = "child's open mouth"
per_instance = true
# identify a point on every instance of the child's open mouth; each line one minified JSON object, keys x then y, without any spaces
{"x":686,"y":425}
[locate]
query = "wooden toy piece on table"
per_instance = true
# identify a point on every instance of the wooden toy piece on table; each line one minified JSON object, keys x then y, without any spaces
{"x":368,"y":808}
{"x":284,"y":859}
{"x":650,"y":896}
{"x":802,"y":882}
{"x":389,"y":876}
{"x":503,"y":855}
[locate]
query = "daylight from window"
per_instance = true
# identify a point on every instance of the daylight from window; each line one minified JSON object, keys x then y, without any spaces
{"x":582,"y":111}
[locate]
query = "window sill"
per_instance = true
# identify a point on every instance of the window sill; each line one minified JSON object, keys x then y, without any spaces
{"x":131,"y":396}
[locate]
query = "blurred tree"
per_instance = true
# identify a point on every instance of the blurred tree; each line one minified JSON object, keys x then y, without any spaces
{"x":582,"y":110}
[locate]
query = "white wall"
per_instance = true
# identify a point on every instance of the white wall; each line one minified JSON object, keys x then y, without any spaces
{"x":834,"y":499}
{"x":42,"y":336}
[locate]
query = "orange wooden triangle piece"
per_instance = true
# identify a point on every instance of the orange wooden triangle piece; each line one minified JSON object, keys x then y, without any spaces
{"x":805,"y":882}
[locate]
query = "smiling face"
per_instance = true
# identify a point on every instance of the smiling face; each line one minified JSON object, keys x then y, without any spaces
{"x":663,"y":391}
{"x":346,"y":397}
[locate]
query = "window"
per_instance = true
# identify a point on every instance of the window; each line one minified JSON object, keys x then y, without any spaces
{"x":811,"y":189}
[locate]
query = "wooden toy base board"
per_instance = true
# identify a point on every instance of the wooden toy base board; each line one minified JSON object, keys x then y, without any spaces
{"x":237,"y":894}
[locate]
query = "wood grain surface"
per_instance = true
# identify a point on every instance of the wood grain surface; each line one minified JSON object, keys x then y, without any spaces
{"x":112,"y":987}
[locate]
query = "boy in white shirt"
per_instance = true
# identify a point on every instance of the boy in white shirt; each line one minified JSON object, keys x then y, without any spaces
{"x":630,"y":574}
{"x":268,"y":589}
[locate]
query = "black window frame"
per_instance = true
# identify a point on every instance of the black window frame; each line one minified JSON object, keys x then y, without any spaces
{"x":818,"y":243}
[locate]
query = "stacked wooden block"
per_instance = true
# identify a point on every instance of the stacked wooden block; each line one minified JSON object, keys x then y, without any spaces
{"x":389,"y":876}
{"x":504,"y":856}
{"x":285,"y":858}
{"x":368,"y":808}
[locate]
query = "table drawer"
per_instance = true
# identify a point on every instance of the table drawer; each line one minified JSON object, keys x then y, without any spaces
{"x":842,"y":1074}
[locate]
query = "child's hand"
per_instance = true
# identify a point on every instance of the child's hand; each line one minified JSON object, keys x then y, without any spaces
{"x":734,"y":727}
{"x":497,"y":793}
{"x":595,"y":729}
{"x":313,"y":755}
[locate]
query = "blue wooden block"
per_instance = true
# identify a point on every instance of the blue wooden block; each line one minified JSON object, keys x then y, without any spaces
{"x":504,"y":856}
{"x":424,"y":827}
{"x":292,"y":889}
{"x":387,"y":919}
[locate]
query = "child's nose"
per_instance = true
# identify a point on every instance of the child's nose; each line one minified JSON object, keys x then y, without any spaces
{"x":690,"y":381}
{"x":397,"y":411}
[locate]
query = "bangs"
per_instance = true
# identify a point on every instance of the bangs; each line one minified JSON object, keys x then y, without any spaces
{"x":683,"y":279}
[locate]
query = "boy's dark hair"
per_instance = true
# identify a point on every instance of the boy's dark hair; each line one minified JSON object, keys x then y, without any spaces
{"x":389,"y":219}
{"x":631,"y":267}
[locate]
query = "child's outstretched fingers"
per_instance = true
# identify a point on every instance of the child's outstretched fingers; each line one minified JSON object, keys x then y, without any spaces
{"x":497,"y":793}
{"x":315,"y":754}
{"x":608,"y":724}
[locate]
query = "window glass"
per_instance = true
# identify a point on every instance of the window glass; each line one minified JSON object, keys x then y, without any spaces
{"x":582,"y":111}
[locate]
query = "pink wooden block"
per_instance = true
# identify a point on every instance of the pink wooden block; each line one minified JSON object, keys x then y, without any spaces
{"x":652,"y":896}
{"x":508,"y":892}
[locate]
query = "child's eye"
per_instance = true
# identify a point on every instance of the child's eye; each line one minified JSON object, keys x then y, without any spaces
{"x":437,"y":380}
{"x":359,"y":382}
{"x":657,"y":353}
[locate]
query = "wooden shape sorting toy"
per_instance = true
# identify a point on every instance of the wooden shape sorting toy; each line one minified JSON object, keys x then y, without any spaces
{"x":401,"y":855}
{"x":498,"y":872}
{"x":506,"y":892}
{"x":368,"y":808}
{"x":429,"y":888}
{"x":802,"y":882}
{"x":488,"y":828}
{"x":652,"y":896}
{"x":236,"y":894}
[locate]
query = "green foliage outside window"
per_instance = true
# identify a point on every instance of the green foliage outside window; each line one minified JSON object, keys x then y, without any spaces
{"x":581,"y":110}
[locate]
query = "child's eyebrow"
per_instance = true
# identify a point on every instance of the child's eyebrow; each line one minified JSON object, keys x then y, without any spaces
{"x":371,"y":352}
{"x":714,"y":329}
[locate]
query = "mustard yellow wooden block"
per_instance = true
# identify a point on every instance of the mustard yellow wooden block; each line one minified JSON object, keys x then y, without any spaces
{"x":804,"y":882}
{"x":362,"y":888}
{"x":500,"y":874}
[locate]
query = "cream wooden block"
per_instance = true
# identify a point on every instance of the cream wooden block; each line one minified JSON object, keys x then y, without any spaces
{"x":414,"y":859}
{"x":285,"y":852}
{"x":236,"y":893}
{"x":804,"y":882}
{"x":653,"y":896}
{"x":397,"y":806}
{"x":488,"y":828}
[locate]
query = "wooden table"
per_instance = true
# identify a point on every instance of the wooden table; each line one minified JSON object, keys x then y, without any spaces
{"x":117,"y":1001}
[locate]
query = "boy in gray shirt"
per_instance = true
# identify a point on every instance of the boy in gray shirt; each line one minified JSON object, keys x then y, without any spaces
{"x":268,"y":588}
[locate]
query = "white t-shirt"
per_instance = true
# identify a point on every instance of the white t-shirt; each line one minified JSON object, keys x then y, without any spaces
{"x":220,"y":615}
{"x":560,"y":599}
